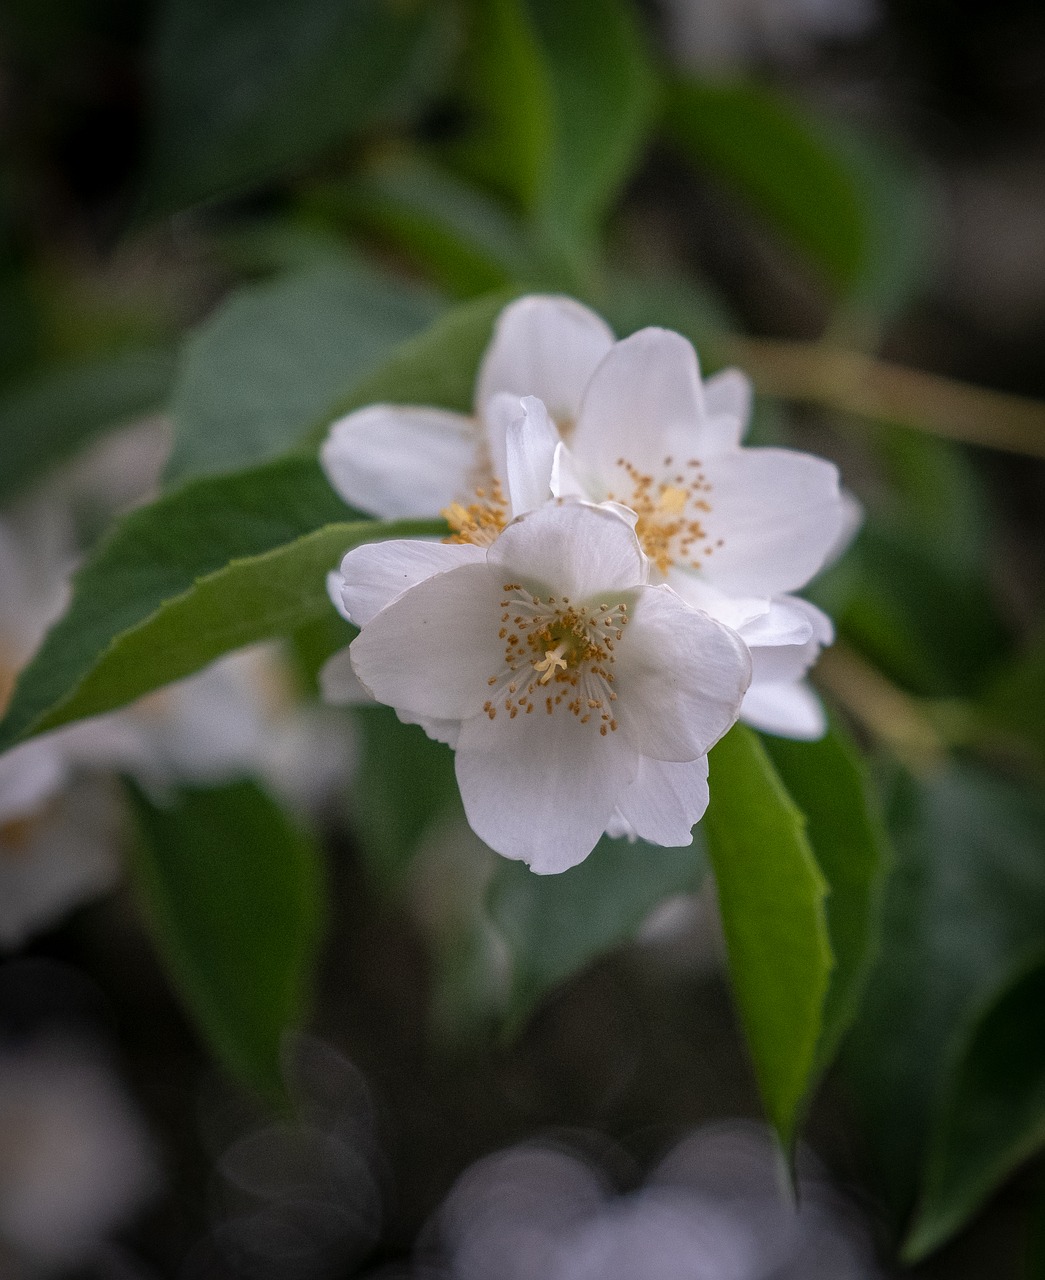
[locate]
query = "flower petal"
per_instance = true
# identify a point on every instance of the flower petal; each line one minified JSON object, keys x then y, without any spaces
{"x":375,"y":574}
{"x":777,"y":513}
{"x":532,"y":440}
{"x":29,"y":775}
{"x":666,"y":800}
{"x":571,"y":549}
{"x":735,"y":612}
{"x":787,"y":621}
{"x":334,"y":584}
{"x":852,"y":519}
{"x":566,"y":479}
{"x":430,"y":652}
{"x":541,"y":788}
{"x":400,"y":461}
{"x":788,"y":709}
{"x":774,"y":661}
{"x":546,"y":347}
{"x":727,"y":407}
{"x":728,"y":392}
{"x":680,"y":676}
{"x":339,"y":683}
{"x":447,"y":731}
{"x":645,"y":390}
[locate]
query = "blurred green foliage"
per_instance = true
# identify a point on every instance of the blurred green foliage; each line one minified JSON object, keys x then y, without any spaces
{"x":234,"y":894}
{"x":269,"y":364}
{"x":346,"y":196}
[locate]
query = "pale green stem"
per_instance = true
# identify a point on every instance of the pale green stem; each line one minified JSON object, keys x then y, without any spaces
{"x":865,"y":387}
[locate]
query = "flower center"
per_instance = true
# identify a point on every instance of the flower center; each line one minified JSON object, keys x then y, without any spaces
{"x":480,"y":521}
{"x":669,"y":511}
{"x":557,"y":654}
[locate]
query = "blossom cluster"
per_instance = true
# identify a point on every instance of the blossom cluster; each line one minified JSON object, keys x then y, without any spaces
{"x":616,"y":589}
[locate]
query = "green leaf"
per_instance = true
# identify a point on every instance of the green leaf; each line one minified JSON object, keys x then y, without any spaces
{"x":603,"y":91}
{"x":466,"y":240}
{"x":963,"y":906}
{"x":1015,"y":695}
{"x":771,"y":896}
{"x":438,"y":367}
{"x":234,"y":896}
{"x":405,"y":782}
{"x":993,"y":1115}
{"x":826,"y":780}
{"x":938,"y":496}
{"x":630,"y":302}
{"x":505,"y":82}
{"x":274,"y":358}
{"x":929,"y":626}
{"x":52,"y":413}
{"x":245,"y":93}
{"x":555,"y":926}
{"x":564,"y":96}
{"x":250,"y":598}
{"x":778,"y":160}
{"x":157,"y":553}
{"x":899,"y":222}
{"x":918,"y":599}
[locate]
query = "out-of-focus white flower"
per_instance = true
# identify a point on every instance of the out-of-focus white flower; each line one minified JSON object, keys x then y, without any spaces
{"x":75,"y":1158}
{"x":39,"y":829}
{"x":572,"y":691}
{"x":729,"y":35}
{"x":239,"y":717}
{"x":118,"y":471}
{"x":38,"y":551}
{"x":60,"y":830}
{"x":715,"y":1209}
{"x":57,"y":855}
{"x":732,"y":529}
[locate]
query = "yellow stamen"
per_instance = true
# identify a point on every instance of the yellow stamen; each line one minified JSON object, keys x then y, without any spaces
{"x":480,"y":522}
{"x":559,"y":654}
{"x":669,"y":512}
{"x":672,"y":501}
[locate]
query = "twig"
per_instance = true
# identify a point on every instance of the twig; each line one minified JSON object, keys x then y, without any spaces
{"x":888,"y":714}
{"x":868,"y":388}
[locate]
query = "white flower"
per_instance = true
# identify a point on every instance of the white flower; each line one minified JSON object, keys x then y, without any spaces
{"x":733,"y":530}
{"x":714,"y":1208}
{"x":60,"y":831}
{"x":76,"y":1162}
{"x":238,"y":717}
{"x":573,"y":692}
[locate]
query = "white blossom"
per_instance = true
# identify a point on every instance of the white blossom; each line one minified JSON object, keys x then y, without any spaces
{"x":734,"y":530}
{"x":76,"y":1162}
{"x":574,"y":693}
{"x":715,"y":1208}
{"x":60,"y":821}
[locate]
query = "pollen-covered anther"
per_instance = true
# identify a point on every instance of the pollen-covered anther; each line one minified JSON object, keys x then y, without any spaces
{"x":481,"y":521}
{"x":561,"y":654}
{"x":668,"y":510}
